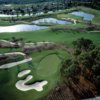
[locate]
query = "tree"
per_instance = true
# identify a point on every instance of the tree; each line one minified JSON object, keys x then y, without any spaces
{"x":46,"y":9}
{"x":22,"y":12}
{"x":34,"y":9}
{"x":96,"y":69}
{"x":28,"y":11}
{"x":82,"y":44}
{"x":97,"y":82}
{"x":77,"y":52}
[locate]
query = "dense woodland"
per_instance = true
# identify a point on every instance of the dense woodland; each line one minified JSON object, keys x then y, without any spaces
{"x":37,"y":6}
{"x":66,"y":3}
{"x":80,"y":73}
{"x":39,"y":1}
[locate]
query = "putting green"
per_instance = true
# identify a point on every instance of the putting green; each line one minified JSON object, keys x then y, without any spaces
{"x":48,"y":65}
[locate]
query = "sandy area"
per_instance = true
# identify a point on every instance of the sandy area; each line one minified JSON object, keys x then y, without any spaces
{"x":9,"y":65}
{"x":22,"y":73}
{"x":38,"y":86}
{"x":13,"y":64}
{"x":13,"y":53}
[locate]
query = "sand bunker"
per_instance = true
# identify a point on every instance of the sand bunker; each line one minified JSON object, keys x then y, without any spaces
{"x":5,"y":43}
{"x":20,"y":28}
{"x":13,"y":53}
{"x":38,"y":86}
{"x":13,"y":64}
{"x":22,"y":73}
{"x":9,"y":65}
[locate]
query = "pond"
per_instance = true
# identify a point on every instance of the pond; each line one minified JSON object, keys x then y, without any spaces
{"x":51,"y":21}
{"x":20,"y":28}
{"x":86,"y":16}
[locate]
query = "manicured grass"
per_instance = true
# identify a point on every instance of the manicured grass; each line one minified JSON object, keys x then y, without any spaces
{"x":7,"y":23}
{"x":54,"y":36}
{"x":45,"y":65}
{"x":71,"y":26}
{"x":8,"y":78}
{"x":51,"y":62}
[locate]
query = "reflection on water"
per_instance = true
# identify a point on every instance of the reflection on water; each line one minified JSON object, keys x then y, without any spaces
{"x":51,"y":20}
{"x":86,"y":16}
{"x":20,"y":28}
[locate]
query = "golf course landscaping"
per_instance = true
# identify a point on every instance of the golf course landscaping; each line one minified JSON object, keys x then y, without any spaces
{"x":40,"y":51}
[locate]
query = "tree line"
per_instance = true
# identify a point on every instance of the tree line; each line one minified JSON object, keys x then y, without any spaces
{"x":84,"y":66}
{"x":50,"y":6}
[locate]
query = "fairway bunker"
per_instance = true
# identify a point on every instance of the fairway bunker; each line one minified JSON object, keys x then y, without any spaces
{"x":14,"y":64}
{"x":23,"y":73}
{"x":38,"y":86}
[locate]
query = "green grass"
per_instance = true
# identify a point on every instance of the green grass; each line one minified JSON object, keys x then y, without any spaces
{"x":51,"y":62}
{"x":54,"y":36}
{"x":46,"y":62}
{"x":65,"y":15}
{"x":8,"y":78}
{"x":7,"y":23}
{"x":3,"y":50}
{"x":11,"y":60}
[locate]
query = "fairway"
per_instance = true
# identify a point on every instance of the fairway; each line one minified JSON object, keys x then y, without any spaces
{"x":48,"y":65}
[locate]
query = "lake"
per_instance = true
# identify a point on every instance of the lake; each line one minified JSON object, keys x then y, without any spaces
{"x":51,"y":21}
{"x":20,"y":28}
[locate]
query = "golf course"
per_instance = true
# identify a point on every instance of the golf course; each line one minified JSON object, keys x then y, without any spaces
{"x":33,"y":49}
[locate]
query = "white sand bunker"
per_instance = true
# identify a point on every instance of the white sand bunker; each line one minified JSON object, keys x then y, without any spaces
{"x":22,"y":73}
{"x":38,"y":86}
{"x":13,"y":53}
{"x":13,"y":64}
{"x":5,"y":43}
{"x":9,"y":65}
